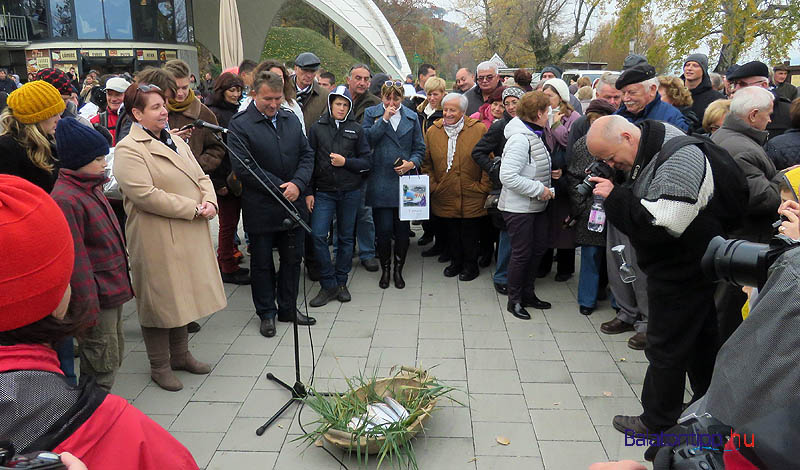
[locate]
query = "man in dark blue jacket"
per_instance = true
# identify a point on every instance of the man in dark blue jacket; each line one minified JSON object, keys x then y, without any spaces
{"x":641,"y":101}
{"x":266,"y":136}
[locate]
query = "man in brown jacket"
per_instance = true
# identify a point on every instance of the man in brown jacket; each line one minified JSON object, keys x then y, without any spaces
{"x":185,"y":109}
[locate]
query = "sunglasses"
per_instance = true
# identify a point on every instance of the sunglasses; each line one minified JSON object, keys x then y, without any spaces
{"x":394,"y":83}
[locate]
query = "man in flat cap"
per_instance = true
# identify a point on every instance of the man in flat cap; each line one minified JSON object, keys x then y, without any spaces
{"x":756,"y":73}
{"x":782,"y":84}
{"x":313,"y":99}
{"x":641,"y":101}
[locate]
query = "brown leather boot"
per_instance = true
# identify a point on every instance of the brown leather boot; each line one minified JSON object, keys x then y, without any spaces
{"x":180,"y":357}
{"x":156,"y":340}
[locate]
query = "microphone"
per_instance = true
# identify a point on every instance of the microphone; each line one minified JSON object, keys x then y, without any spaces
{"x":208,"y":125}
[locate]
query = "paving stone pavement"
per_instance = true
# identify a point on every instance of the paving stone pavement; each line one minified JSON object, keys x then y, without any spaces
{"x":550,"y":385}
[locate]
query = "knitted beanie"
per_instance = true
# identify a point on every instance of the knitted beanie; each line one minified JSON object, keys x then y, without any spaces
{"x":35,"y":101}
{"x":57,"y":78}
{"x":37,"y":251}
{"x":701,"y":60}
{"x":514,"y":91}
{"x":78,"y":144}
{"x":560,"y":86}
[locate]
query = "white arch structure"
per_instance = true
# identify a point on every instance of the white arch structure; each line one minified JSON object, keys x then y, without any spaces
{"x":362,"y":20}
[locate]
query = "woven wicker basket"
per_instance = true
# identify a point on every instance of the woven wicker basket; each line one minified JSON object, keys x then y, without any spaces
{"x":397,"y":386}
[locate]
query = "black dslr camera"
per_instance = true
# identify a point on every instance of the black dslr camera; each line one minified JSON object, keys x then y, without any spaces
{"x":596,"y":169}
{"x":743,"y":263}
{"x":39,"y":460}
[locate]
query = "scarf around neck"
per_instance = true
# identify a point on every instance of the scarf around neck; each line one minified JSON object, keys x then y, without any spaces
{"x":452,"y":132}
{"x":181,"y":106}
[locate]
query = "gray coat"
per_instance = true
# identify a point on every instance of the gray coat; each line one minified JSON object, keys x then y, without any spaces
{"x":383,"y":184}
{"x":745,"y":144}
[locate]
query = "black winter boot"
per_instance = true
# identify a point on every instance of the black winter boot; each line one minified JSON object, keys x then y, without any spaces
{"x":400,"y":252}
{"x":385,"y":257}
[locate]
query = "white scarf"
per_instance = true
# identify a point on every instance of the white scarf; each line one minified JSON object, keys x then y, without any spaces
{"x":452,"y":132}
{"x":429,"y":110}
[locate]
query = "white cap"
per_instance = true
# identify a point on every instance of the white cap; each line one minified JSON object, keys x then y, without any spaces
{"x":117,"y":84}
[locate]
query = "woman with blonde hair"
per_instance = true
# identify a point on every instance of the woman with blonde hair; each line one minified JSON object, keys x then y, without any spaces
{"x":430,"y":110}
{"x":715,"y":115}
{"x":674,"y":92}
{"x":27,"y":140}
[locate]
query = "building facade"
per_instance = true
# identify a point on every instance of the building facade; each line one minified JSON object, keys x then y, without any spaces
{"x":109,"y":36}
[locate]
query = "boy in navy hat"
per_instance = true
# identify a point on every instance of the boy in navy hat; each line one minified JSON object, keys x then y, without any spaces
{"x":100,"y":281}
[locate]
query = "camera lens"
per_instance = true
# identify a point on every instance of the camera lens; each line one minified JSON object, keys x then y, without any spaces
{"x":736,"y":262}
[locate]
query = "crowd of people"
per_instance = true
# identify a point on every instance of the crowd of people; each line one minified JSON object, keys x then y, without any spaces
{"x":506,"y":159}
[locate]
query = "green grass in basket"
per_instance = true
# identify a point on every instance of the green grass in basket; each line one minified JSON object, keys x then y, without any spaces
{"x":336,"y":411}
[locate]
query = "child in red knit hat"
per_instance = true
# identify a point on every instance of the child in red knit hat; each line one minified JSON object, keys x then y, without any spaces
{"x":41,"y":410}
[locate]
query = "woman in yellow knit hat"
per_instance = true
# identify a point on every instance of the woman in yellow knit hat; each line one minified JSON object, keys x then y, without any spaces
{"x":27,"y":138}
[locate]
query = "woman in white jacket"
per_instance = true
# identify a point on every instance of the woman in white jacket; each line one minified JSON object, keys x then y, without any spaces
{"x":525,"y":174}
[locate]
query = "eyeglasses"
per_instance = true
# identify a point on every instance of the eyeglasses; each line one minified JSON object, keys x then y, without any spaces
{"x":744,"y":84}
{"x":485,"y":78}
{"x":394,"y":83}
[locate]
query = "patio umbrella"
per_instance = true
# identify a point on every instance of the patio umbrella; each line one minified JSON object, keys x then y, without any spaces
{"x":230,"y":34}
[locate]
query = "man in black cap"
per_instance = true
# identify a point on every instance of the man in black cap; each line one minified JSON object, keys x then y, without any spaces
{"x":756,"y":73}
{"x":641,"y":101}
{"x":727,"y":85}
{"x":697,"y":80}
{"x":313,"y":99}
{"x":782,"y":85}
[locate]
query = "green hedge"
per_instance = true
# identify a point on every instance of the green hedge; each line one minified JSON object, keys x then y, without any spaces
{"x":286,"y":43}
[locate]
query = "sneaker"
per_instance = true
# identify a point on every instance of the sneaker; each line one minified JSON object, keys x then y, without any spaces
{"x":324,"y":296}
{"x":344,"y":294}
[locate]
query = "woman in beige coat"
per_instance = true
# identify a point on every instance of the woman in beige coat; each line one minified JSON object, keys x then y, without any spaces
{"x":458,"y":185}
{"x":169,"y":201}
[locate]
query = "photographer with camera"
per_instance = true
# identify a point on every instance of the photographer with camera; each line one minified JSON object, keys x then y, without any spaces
{"x":665,"y":215}
{"x":41,"y":409}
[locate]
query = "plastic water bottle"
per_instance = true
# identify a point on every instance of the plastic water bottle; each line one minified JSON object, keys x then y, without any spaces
{"x":597,"y":216}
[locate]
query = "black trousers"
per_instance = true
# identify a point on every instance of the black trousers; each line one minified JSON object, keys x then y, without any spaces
{"x":462,"y":239}
{"x":564,"y":257}
{"x":387,"y":226}
{"x":266,"y":289}
{"x":488,"y":236}
{"x":681,"y":339}
{"x":528,"y":235}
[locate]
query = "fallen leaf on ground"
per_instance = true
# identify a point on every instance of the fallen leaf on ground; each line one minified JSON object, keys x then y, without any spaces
{"x":607,"y":394}
{"x":556,"y":404}
{"x":318,"y":443}
{"x":473,"y":459}
{"x":280,"y":426}
{"x":622,"y":359}
{"x":503,"y":441}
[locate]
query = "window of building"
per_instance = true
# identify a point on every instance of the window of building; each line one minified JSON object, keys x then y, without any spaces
{"x":61,"y":19}
{"x":89,"y":19}
{"x":118,"y":19}
{"x":181,"y":24}
{"x":153,"y":20}
{"x":36,"y":13}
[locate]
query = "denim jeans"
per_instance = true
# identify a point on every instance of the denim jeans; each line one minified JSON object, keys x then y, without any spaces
{"x":343,"y":205}
{"x":66,"y":355}
{"x":589,"y":278}
{"x":365,"y":231}
{"x":503,"y":255}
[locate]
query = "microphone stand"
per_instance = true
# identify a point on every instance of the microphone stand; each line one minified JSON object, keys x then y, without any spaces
{"x":298,"y":391}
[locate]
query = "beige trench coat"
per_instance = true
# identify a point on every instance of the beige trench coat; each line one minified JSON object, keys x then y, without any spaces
{"x":175,"y":275}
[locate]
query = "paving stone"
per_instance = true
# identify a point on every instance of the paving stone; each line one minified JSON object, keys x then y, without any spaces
{"x":227,"y":389}
{"x":240,"y":365}
{"x":242,"y":435}
{"x":202,"y":445}
{"x":563,"y":425}
{"x":494,"y":381}
{"x":552,"y":396}
{"x":493,"y":462}
{"x":523,"y":439}
{"x":486,"y":340}
{"x":225,"y":460}
{"x":497,"y":407}
{"x":536,"y":350}
{"x":566,"y":455}
{"x":441,"y":348}
{"x":579,"y":342}
{"x":596,"y":384}
{"x":543,"y":371}
{"x":589,"y":361}
{"x":491,"y":359}
{"x":603,"y":409}
{"x":205,"y":417}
